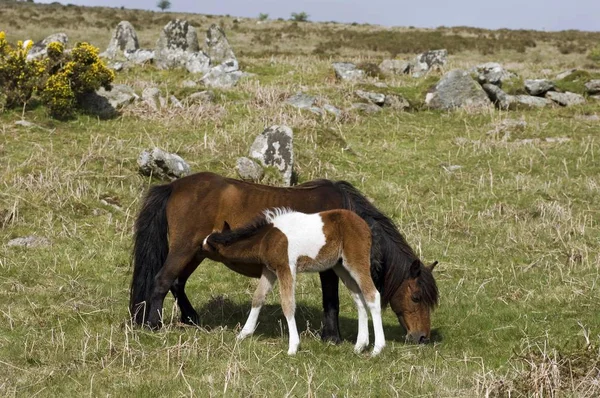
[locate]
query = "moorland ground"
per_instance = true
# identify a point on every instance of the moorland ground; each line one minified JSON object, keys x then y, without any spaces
{"x":515,"y":228}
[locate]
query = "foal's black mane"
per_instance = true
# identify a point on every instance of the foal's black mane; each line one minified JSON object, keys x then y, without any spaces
{"x":391,"y":255}
{"x":233,"y":235}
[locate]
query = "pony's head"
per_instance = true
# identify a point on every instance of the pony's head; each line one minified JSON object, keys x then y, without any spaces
{"x":414,"y":300}
{"x":240,"y":244}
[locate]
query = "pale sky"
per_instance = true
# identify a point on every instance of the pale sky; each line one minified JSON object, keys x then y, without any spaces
{"x":512,"y":14}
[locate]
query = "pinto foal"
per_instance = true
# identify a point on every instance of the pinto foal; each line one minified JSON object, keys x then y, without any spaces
{"x":287,"y":242}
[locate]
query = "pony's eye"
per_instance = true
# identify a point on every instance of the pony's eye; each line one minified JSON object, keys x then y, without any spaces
{"x":415,"y":298}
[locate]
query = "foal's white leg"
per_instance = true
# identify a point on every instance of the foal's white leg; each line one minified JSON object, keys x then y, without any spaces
{"x":375,"y":308}
{"x":287,"y":282}
{"x":265,"y":284}
{"x":362,"y":340}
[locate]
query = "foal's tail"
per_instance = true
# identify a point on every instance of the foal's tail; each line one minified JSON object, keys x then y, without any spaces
{"x":150,"y":249}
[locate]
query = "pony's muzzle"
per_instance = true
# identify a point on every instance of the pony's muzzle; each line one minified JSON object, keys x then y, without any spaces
{"x":417,"y":338}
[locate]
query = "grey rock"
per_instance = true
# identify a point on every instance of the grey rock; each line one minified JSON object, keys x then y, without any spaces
{"x":162,"y":164}
{"x":457,"y":89}
{"x":347,"y":71}
{"x":538,"y":86}
{"x":596,"y":97}
{"x":528,"y":102}
{"x":366,"y":108}
{"x":333,"y":110}
{"x":430,"y":60}
{"x":175,"y":102}
{"x":450,"y":168}
{"x":140,"y":57}
{"x":38,"y":50}
{"x":106,"y":103}
{"x":492,"y":73}
{"x":589,"y":118}
{"x":119,"y":96}
{"x":301,"y":101}
{"x":116,"y":66}
{"x":593,"y":87}
{"x":177,"y":41}
{"x":151,"y":96}
{"x":566,"y":73}
{"x":498,"y":96}
{"x":380,"y":84}
{"x":274,"y":147}
{"x":394,"y":67}
{"x":189,"y":84}
{"x":249,"y":170}
{"x":31,"y":241}
{"x":565,"y":99}
{"x":316,"y":110}
{"x":123,"y":39}
{"x":397,"y":102}
{"x":201,"y":96}
{"x":217,"y":45}
{"x":198,"y":63}
{"x":225,"y":75}
{"x":374,"y":98}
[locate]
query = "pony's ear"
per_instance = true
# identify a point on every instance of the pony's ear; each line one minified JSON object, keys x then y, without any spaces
{"x":207,"y":245}
{"x":415,"y":269}
{"x":431,"y":266}
{"x":226,"y":227}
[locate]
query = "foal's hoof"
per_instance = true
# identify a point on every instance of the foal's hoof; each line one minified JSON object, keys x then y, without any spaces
{"x":292,"y":351}
{"x":242,"y":335}
{"x":377,"y":350}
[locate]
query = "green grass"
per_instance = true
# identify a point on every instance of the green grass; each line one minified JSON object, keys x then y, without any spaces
{"x":515,"y":230}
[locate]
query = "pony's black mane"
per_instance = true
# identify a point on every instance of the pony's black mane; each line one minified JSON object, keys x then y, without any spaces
{"x":391,"y":255}
{"x":234,"y":235}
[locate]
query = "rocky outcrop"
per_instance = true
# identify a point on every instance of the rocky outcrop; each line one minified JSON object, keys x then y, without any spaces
{"x":274,"y":147}
{"x":249,"y":170}
{"x":430,"y":60}
{"x":161,"y":164}
{"x":492,"y":73}
{"x":177,"y":42}
{"x":124,"y":39}
{"x":593,"y":87}
{"x":38,"y":50}
{"x":347,"y":71}
{"x":538,"y":87}
{"x":565,"y":99}
{"x":457,"y":89}
{"x":217,"y":45}
{"x":225,"y":75}
{"x":394,"y":67}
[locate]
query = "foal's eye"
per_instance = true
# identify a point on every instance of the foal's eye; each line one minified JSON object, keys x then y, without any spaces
{"x":415,"y":298}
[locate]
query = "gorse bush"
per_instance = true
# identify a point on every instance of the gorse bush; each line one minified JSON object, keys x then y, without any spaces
{"x":61,"y":79}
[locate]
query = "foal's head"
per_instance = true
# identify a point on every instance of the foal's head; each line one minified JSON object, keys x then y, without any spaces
{"x":414,"y":301}
{"x":241,"y":244}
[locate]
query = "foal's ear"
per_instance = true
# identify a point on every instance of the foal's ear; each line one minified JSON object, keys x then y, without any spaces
{"x":415,"y":269}
{"x":431,"y":266}
{"x":226,"y":227}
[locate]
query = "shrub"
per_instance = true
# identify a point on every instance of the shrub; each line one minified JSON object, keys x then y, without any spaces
{"x":594,"y":54}
{"x":299,"y":17}
{"x":263,"y":16}
{"x":61,"y":79}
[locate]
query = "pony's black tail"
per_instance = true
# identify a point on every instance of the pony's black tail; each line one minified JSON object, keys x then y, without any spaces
{"x":386,"y":242}
{"x":150,"y":250}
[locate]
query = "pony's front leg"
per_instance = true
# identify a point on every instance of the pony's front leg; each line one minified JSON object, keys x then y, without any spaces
{"x":288,"y":304}
{"x":265,"y":285}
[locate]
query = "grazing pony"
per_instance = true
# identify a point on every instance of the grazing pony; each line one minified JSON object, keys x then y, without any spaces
{"x":175,"y":219}
{"x":286,"y":242}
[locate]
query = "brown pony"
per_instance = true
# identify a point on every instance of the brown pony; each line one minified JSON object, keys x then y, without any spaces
{"x":286,"y":242}
{"x":176,"y":218}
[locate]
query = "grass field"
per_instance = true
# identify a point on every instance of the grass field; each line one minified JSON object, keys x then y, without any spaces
{"x":515,"y":230}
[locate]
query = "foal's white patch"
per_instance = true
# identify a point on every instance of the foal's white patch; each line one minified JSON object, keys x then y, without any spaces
{"x":304,"y":233}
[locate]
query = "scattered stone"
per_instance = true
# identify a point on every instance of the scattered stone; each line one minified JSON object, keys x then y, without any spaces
{"x":593,"y":87}
{"x":198,"y":63}
{"x":249,"y":170}
{"x":105,"y":104}
{"x":457,"y":89}
{"x":151,"y":96}
{"x":347,"y":71}
{"x":38,"y":50}
{"x":119,"y":95}
{"x":217,"y":45}
{"x":225,"y":75}
{"x":124,"y":39}
{"x":274,"y":147}
{"x":366,"y":108}
{"x":201,"y":96}
{"x":175,"y":102}
{"x":450,"y":168}
{"x":492,"y":73}
{"x":559,"y":140}
{"x":394,"y":67}
{"x":566,"y":99}
{"x":333,"y":110}
{"x":177,"y":41}
{"x":589,"y":118}
{"x":189,"y":84}
{"x":528,"y":102}
{"x":380,"y":84}
{"x":498,"y":96}
{"x":566,"y":74}
{"x":596,"y":97}
{"x":538,"y":86}
{"x":30,"y":125}
{"x":316,"y":110}
{"x":140,"y":57}
{"x":116,"y":66}
{"x":30,"y":241}
{"x":374,"y":98}
{"x":301,"y":101}
{"x":508,"y":126}
{"x":162,"y":164}
{"x":430,"y":60}
{"x":397,"y":102}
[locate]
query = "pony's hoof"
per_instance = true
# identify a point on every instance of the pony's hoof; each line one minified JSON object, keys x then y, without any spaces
{"x":377,"y":350}
{"x":359,"y":348}
{"x":242,"y":335}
